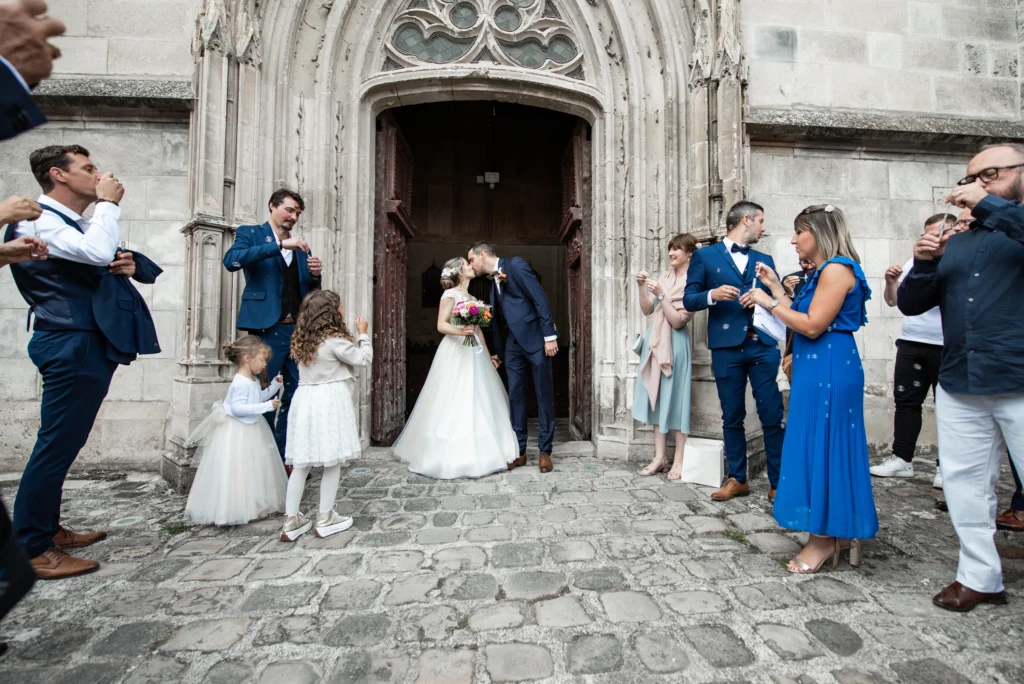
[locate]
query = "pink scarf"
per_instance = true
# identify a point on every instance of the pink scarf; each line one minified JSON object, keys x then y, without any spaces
{"x":659,"y":360}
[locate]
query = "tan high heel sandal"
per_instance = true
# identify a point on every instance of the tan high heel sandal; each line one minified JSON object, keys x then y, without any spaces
{"x":659,"y":469}
{"x":803,"y":568}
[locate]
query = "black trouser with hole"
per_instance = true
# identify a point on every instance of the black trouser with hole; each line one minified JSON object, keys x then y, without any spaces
{"x":917,"y":371}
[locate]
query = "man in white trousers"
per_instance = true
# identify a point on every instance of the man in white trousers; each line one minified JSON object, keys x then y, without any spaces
{"x":978,"y":286}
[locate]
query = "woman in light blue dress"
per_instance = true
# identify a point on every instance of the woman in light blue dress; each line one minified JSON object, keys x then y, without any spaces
{"x":825,"y":483}
{"x":662,"y":396}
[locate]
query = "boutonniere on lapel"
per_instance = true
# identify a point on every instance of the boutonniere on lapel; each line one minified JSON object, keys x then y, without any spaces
{"x":500,"y":276}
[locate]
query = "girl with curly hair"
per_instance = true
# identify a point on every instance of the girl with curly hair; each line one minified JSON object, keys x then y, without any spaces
{"x":322,"y":427}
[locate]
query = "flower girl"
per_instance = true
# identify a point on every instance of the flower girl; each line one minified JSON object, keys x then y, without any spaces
{"x":322,"y":427}
{"x":240,"y":475}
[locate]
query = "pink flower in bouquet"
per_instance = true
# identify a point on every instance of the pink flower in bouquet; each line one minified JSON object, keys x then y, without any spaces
{"x":473,"y":311}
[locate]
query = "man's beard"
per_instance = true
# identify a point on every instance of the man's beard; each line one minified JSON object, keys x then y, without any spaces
{"x":1014,"y":193}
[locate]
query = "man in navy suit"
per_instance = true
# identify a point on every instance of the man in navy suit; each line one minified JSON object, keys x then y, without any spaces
{"x":85,"y":326}
{"x":26,"y":58}
{"x":525,"y":341}
{"x":279,"y":272}
{"x":717,"y":278}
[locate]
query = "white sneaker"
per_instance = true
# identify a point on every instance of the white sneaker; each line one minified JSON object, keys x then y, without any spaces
{"x":294,"y":527}
{"x":331,"y":523}
{"x":937,"y":482}
{"x":894,"y":466}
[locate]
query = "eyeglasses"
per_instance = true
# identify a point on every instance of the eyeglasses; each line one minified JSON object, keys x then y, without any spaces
{"x":964,"y":223}
{"x":988,"y":175}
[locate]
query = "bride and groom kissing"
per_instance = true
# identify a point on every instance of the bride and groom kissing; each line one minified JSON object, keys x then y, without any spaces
{"x":464,"y":424}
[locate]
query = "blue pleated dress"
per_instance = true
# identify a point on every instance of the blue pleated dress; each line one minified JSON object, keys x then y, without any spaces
{"x":825,"y":485}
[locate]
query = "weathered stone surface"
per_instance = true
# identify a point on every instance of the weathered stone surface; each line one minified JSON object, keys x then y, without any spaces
{"x":830,"y":592}
{"x":518,"y":662}
{"x":271,"y":598}
{"x":593,"y":654}
{"x":229,"y":672}
{"x":571,"y":551}
{"x":447,"y":665}
{"x":517,"y":555}
{"x":839,"y":638}
{"x":719,"y":646}
{"x":136,"y":637}
{"x":660,"y":653}
{"x":221,"y":569}
{"x":437,"y":535}
{"x":300,"y":629}
{"x":531,"y":586}
{"x":565,"y":611}
{"x":772,"y":542}
{"x":276,"y":568}
{"x":370,"y":667}
{"x":208,"y":635}
{"x":456,"y":559}
{"x":415,"y":589}
{"x":292,"y":672}
{"x":156,"y":670}
{"x":789,"y":643}
{"x":629,"y":606}
{"x":354,"y":595}
{"x":696,"y":602}
{"x":358,"y":630}
{"x":338,"y":564}
{"x":499,"y":616}
{"x":928,"y":671}
{"x":207,"y":600}
{"x":470,"y":586}
{"x":600,"y":579}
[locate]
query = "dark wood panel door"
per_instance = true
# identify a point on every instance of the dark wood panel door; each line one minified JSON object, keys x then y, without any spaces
{"x":392,"y":230}
{"x":576,"y":235}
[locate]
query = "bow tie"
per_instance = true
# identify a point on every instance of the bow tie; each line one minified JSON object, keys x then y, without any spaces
{"x":741,"y":249}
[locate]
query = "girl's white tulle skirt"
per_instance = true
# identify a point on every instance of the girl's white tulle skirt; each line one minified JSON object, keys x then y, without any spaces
{"x":460,"y":426}
{"x":240,"y":475}
{"x":322,"y":427}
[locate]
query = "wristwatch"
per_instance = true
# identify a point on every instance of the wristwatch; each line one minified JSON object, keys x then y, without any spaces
{"x":774,"y":303}
{"x":661,"y":296}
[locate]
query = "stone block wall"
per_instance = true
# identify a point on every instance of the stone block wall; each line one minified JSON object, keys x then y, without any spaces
{"x":151,"y":159}
{"x":935,"y":57}
{"x":886,"y":197}
{"x":125,"y":38}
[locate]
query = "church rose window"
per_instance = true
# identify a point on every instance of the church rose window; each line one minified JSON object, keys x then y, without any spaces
{"x":528,"y":34}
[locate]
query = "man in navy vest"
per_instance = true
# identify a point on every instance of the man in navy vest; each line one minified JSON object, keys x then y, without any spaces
{"x":279,"y":272}
{"x":717,"y":278}
{"x":85,"y":325}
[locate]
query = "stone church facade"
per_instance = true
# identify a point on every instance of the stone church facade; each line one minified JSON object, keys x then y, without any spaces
{"x":615,"y":124}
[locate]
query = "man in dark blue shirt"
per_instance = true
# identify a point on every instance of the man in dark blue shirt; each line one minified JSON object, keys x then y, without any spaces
{"x":979,"y":403}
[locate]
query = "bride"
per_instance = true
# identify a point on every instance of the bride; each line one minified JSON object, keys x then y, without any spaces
{"x":460,"y":426}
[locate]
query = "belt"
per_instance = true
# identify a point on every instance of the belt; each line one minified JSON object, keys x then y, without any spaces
{"x":287,"y":319}
{"x":752,"y":333}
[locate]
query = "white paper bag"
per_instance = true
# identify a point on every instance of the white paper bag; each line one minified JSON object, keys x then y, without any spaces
{"x":703,"y":462}
{"x":767,"y":325}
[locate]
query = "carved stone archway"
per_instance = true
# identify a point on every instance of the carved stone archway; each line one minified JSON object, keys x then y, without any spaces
{"x":287,"y":95}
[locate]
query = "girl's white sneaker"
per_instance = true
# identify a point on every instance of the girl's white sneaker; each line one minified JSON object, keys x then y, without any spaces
{"x":294,"y":527}
{"x":331,"y":523}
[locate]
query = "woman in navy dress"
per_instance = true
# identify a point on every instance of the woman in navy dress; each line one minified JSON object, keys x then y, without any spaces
{"x":825,"y":484}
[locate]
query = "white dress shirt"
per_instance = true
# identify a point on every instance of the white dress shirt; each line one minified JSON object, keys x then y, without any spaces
{"x":17,"y":75}
{"x":738,"y":258}
{"x":98,"y":242}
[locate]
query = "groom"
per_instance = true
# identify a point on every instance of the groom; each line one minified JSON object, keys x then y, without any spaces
{"x":525,"y":340}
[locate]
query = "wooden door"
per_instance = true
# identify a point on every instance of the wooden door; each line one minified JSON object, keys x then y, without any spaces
{"x":392,"y":229}
{"x":576,"y":235}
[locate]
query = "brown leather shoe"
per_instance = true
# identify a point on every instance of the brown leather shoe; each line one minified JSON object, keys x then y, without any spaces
{"x":55,"y":564}
{"x":961,"y":599}
{"x":771,"y":495}
{"x":730,"y":490}
{"x":69,"y":539}
{"x":521,"y":461}
{"x":545,"y":463}
{"x":1011,"y":519}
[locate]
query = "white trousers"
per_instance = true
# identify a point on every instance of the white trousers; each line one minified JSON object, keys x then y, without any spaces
{"x":973,"y":432}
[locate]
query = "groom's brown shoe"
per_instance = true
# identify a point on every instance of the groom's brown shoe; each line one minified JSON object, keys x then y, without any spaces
{"x":521,"y":461}
{"x":730,"y":490}
{"x":545,"y":463}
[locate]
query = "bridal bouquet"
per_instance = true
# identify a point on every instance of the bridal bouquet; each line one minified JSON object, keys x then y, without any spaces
{"x":471,"y":313}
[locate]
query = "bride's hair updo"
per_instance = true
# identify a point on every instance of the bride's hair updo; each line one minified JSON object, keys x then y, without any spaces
{"x":451,"y":274}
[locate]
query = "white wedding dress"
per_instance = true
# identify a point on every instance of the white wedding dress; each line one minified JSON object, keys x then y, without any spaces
{"x":460,"y":426}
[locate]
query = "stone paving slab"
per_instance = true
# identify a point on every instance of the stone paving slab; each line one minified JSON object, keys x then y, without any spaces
{"x":588,"y":574}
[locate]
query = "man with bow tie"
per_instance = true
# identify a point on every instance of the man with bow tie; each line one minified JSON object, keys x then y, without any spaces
{"x":279,"y":272}
{"x":717,"y":278}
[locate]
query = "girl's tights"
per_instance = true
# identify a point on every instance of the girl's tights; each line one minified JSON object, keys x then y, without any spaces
{"x":297,"y":483}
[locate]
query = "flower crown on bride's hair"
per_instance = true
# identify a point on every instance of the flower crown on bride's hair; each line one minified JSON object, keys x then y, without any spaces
{"x":449,"y":272}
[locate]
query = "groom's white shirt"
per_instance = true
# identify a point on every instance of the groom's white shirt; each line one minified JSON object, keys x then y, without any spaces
{"x":497,"y":284}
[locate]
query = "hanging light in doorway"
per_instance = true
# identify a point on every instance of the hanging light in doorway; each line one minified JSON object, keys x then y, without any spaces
{"x":492,"y":178}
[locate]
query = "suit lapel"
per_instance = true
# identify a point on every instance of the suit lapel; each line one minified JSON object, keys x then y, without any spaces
{"x":729,"y":260}
{"x":268,"y":236}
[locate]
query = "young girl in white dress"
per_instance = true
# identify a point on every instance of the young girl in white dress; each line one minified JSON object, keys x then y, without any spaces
{"x":240,"y":475}
{"x":460,"y":426}
{"x":322,"y":427}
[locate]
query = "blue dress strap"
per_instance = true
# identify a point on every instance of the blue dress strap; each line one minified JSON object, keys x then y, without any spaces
{"x":858,"y":272}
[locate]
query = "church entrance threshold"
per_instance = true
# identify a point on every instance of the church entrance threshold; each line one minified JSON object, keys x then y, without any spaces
{"x":449,"y":174}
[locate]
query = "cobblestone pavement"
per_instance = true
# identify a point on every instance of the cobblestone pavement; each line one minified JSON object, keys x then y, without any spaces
{"x":587,"y":574}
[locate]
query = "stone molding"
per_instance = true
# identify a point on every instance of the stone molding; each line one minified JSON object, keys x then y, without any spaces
{"x":162,"y":95}
{"x":765,"y":123}
{"x":230,"y":27}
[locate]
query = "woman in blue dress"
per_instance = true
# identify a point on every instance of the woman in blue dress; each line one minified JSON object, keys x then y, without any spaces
{"x":662,"y":396}
{"x":825,"y":484}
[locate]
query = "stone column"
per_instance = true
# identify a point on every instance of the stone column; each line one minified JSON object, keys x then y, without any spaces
{"x":222,"y":152}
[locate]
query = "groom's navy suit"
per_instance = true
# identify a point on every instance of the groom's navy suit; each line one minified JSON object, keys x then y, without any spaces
{"x":525,"y":323}
{"x":738,"y":352}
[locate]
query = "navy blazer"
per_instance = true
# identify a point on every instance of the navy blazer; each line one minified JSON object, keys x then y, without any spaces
{"x":255,"y":252}
{"x":524,"y":307}
{"x":18,"y":111}
{"x":710,"y":267}
{"x":128,"y":326}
